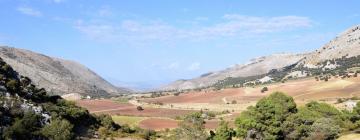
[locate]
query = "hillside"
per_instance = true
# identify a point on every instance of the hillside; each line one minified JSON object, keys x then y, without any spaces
{"x":256,"y":66}
{"x":28,"y":112}
{"x":345,"y":45}
{"x":58,"y":76}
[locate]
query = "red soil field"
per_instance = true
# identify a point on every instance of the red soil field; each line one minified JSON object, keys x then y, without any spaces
{"x":125,"y":109}
{"x":158,"y":124}
{"x":301,"y":90}
{"x":199,"y":97}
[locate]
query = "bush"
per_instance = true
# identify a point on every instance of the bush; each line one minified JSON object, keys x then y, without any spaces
{"x":58,"y":129}
{"x":325,"y":127}
{"x":25,"y":128}
{"x":223,"y":132}
{"x":12,"y":85}
{"x":264,"y":89}
{"x":139,"y":108}
{"x":264,"y":118}
{"x":191,"y":128}
{"x":233,"y":102}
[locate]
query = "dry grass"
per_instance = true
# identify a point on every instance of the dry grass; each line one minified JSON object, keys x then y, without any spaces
{"x":352,"y":136}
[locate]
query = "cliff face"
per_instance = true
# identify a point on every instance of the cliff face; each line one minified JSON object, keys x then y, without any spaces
{"x":58,"y":76}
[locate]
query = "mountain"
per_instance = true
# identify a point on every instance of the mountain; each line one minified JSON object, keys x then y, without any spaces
{"x":346,"y":44}
{"x":28,"y":112}
{"x":256,"y":66}
{"x":58,"y":76}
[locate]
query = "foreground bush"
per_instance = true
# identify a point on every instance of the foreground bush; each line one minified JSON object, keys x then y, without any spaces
{"x":277,"y":117}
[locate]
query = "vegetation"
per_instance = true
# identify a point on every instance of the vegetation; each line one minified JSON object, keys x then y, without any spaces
{"x":263,"y":120}
{"x":58,"y":129}
{"x":27,"y":112}
{"x":345,"y":68}
{"x":129,"y":120}
{"x":139,"y":108}
{"x":192,"y":127}
{"x":223,"y":132}
{"x":277,"y":117}
{"x":264,"y":89}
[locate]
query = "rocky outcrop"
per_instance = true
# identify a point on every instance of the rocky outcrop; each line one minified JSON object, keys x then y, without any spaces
{"x":347,"y":44}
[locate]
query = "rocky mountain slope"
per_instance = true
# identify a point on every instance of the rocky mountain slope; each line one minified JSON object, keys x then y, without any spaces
{"x":28,"y":112}
{"x":58,"y":76}
{"x":256,"y":66}
{"x":346,"y":44}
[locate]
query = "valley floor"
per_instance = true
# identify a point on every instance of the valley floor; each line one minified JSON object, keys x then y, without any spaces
{"x":161,"y":112}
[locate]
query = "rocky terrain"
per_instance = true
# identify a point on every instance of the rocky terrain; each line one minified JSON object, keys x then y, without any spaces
{"x":28,"y":112}
{"x":346,"y":44}
{"x":58,"y":76}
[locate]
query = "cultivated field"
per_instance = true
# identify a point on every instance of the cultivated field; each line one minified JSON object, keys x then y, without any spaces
{"x":159,"y":117}
{"x":126,"y":109}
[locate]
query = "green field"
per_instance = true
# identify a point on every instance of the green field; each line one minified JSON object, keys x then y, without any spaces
{"x":130,"y":120}
{"x":121,"y":100}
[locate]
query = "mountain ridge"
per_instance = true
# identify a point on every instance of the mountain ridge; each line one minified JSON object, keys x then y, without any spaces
{"x":58,"y":76}
{"x":346,"y":44}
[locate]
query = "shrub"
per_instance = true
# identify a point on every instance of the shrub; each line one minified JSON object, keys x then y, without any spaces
{"x":58,"y":129}
{"x":325,"y":127}
{"x":223,"y":132}
{"x":233,"y":102}
{"x":191,"y":128}
{"x":25,"y":128}
{"x":265,"y":117}
{"x":139,"y":108}
{"x":264,"y":89}
{"x":12,"y":84}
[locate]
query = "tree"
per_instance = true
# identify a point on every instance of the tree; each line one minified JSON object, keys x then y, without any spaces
{"x":12,"y":84}
{"x":326,"y":128}
{"x":265,"y":118}
{"x":191,"y":128}
{"x":58,"y":129}
{"x":264,"y":89}
{"x":223,"y":132}
{"x":300,"y":125}
{"x":233,"y":102}
{"x":24,"y":128}
{"x":139,"y":108}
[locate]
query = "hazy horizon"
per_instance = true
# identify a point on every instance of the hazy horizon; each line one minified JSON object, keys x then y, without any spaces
{"x":137,"y":44}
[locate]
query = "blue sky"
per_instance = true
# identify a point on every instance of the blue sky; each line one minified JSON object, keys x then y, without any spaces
{"x":149,"y":43}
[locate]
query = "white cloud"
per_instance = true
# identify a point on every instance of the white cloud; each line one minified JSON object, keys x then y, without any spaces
{"x":29,"y":11}
{"x":194,"y":66}
{"x":231,"y":25}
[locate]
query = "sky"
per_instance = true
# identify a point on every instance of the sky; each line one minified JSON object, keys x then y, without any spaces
{"x":143,"y":44}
